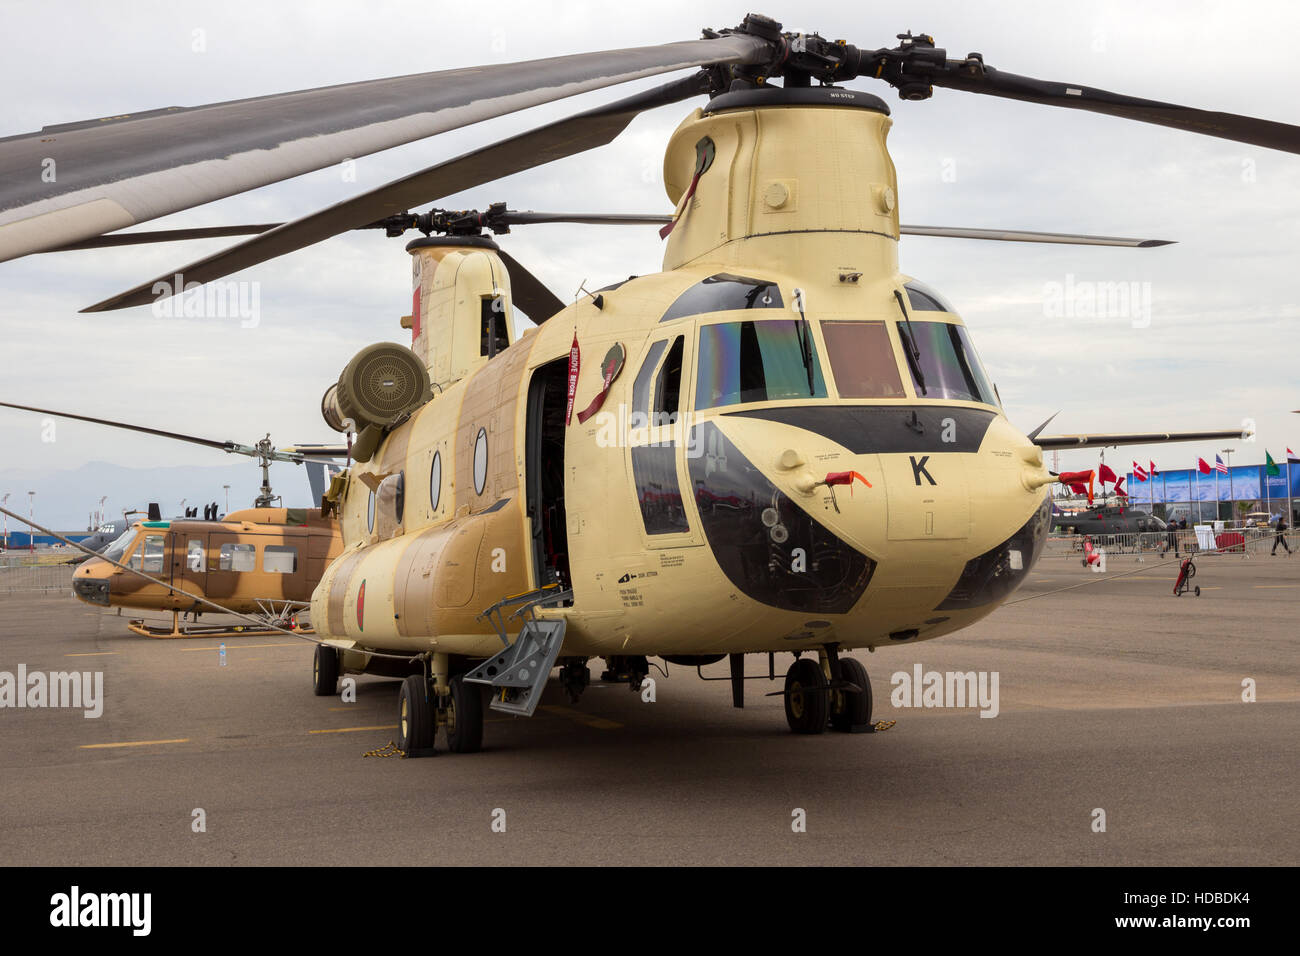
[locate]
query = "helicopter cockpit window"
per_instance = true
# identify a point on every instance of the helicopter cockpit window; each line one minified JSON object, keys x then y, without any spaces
{"x":149,"y":558}
{"x":237,"y":557}
{"x":668,"y":387}
{"x":725,"y":293}
{"x":280,"y":559}
{"x":756,"y":362}
{"x":922,"y":298}
{"x":119,"y":546}
{"x":948,"y":362}
{"x":862,"y":360}
{"x":641,"y":387}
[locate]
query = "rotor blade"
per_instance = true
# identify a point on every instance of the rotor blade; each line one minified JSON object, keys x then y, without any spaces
{"x":1241,"y":129}
{"x":164,"y":235}
{"x":114,"y":172}
{"x":528,"y":292}
{"x":316,"y":451}
{"x":515,"y":217}
{"x":1154,"y":438}
{"x":527,"y":217}
{"x":1039,"y":430}
{"x":1017,"y":235}
{"x":537,"y":147}
{"x":210,"y":443}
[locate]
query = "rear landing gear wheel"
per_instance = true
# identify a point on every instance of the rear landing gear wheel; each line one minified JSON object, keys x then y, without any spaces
{"x":852,"y":710}
{"x":415,"y":717}
{"x":325,"y":671}
{"x":464,"y":717}
{"x":807,"y":703}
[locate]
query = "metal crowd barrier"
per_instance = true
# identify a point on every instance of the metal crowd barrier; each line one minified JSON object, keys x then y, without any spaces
{"x":50,"y":578}
{"x":1240,"y":541}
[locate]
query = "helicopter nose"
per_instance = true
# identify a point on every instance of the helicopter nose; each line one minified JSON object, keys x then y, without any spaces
{"x":92,"y":590}
{"x":933,"y":498}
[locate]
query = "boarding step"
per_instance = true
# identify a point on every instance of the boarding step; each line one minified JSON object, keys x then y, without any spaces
{"x":518,"y":674}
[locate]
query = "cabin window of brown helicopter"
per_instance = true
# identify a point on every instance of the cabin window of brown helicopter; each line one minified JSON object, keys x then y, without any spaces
{"x":237,"y":557}
{"x":280,"y":559}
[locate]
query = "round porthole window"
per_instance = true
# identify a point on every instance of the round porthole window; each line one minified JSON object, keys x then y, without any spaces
{"x":480,"y":461}
{"x":370,"y":514}
{"x":435,"y":480}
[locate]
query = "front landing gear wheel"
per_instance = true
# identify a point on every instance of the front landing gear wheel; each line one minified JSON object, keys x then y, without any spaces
{"x":325,"y":671}
{"x":807,"y":702}
{"x":415,"y":717}
{"x":464,"y":717}
{"x":852,"y":710}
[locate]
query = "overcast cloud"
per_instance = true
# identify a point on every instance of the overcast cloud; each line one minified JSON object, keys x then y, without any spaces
{"x":1221,"y":344}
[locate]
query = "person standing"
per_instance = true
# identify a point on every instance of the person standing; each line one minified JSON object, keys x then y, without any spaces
{"x":1171,"y":537}
{"x":1279,"y":539}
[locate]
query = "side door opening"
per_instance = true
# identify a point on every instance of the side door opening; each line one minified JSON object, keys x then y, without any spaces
{"x":544,"y":473}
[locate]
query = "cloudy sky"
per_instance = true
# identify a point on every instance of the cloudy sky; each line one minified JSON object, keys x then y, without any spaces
{"x":1218,"y":345}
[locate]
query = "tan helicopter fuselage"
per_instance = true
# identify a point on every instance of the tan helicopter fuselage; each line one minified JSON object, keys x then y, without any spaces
{"x":691,"y":513}
{"x":251,"y":560}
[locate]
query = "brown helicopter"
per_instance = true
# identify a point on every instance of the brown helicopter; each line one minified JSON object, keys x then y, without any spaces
{"x":660,"y":469}
{"x":265,"y":560}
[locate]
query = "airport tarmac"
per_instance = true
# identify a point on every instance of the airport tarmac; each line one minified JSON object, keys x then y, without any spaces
{"x":1115,"y":696}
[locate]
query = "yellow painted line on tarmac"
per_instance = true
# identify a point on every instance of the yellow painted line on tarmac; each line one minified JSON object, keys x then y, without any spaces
{"x":91,"y":654}
{"x":345,"y":707}
{"x":350,"y":730}
{"x":600,"y":723}
{"x":135,"y":743}
{"x":241,"y":646}
{"x":1266,"y":587}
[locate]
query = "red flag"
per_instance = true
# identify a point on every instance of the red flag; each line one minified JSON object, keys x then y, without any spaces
{"x":1138,"y":473}
{"x":575,"y":366}
{"x":1119,"y":489}
{"x":1204,"y":466}
{"x":1105,"y":474}
{"x":1153,"y":471}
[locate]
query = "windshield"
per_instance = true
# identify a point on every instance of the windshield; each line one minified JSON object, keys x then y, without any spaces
{"x":755,"y":362}
{"x":118,"y":548}
{"x":949,"y":366}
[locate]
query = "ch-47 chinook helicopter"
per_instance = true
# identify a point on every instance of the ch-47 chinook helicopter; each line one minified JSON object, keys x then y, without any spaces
{"x":265,"y":560}
{"x":659,"y":469}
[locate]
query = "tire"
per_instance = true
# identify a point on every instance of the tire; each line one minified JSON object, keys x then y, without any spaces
{"x":855,"y":708}
{"x":325,"y":671}
{"x":465,"y":717}
{"x":414,"y":716}
{"x":1198,"y":590}
{"x":807,"y":703}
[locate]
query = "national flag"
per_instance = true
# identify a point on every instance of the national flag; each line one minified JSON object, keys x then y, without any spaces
{"x":1153,"y":469}
{"x":1138,"y":473}
{"x":1105,"y":474}
{"x":1271,"y":467}
{"x":1075,"y":480}
{"x":1292,"y":457}
{"x":1119,"y":489}
{"x":1203,"y":466}
{"x":1219,"y":466}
